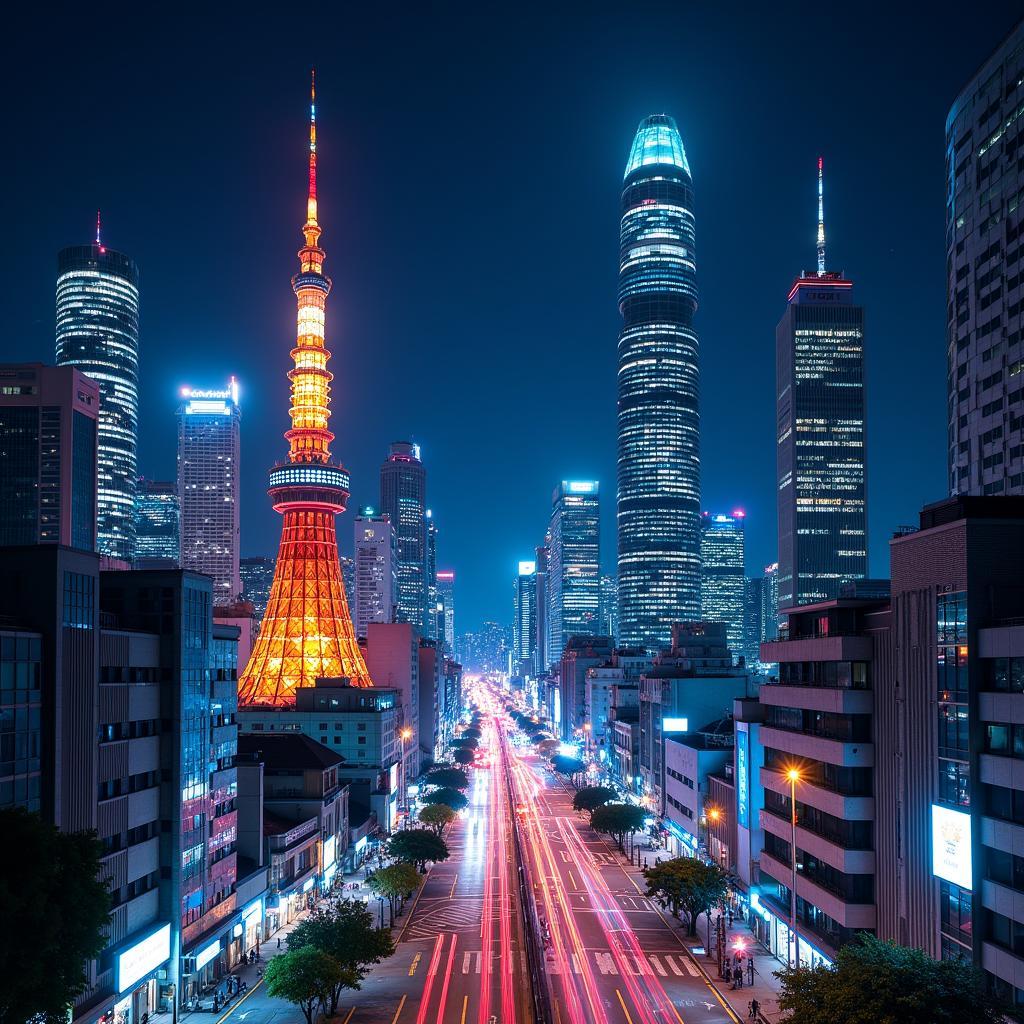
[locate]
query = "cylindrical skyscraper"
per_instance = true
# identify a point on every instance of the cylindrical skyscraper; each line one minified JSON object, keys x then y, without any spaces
{"x":98,"y":331}
{"x":658,"y":415}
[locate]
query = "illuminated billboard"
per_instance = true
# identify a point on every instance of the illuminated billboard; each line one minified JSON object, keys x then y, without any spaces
{"x":330,"y":851}
{"x":743,"y":778}
{"x":675,"y":725}
{"x":951,"y":846}
{"x":137,"y":961}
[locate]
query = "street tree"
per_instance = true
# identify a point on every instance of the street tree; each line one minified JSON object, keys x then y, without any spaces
{"x":306,"y":977}
{"x":464,"y":742}
{"x":445,"y":795}
{"x":445,"y":775}
{"x":57,"y":908}
{"x":473,"y":733}
{"x":878,"y":982}
{"x":547,"y":748}
{"x":345,"y":932}
{"x":690,"y":885}
{"x":618,"y":820}
{"x":571,"y":767}
{"x":589,"y":798}
{"x":417,"y":846}
{"x":437,"y":817}
{"x":463,"y":756}
{"x":396,"y":883}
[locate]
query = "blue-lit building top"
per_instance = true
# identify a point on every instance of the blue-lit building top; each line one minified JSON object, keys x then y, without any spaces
{"x":574,"y":564}
{"x":98,"y":331}
{"x":658,"y":513}
{"x":157,"y":525}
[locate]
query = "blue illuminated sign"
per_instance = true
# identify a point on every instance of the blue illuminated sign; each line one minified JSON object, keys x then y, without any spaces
{"x":743,"y":778}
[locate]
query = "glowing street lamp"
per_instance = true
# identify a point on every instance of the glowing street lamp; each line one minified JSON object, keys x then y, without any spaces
{"x":793,"y":774}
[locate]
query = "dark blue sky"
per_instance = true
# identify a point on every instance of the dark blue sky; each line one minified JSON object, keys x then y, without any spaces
{"x":470,"y":169}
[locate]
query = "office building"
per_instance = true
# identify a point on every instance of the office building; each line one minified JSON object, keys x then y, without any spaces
{"x":157,"y":525}
{"x":48,"y":451}
{"x":208,"y":486}
{"x":376,"y":570}
{"x":488,"y":650}
{"x":541,"y":661}
{"x":753,"y":628}
{"x":403,"y":497}
{"x":446,"y":609}
{"x":257,"y":576}
{"x":770,"y":602}
{"x":985,"y":271}
{"x":524,"y":617}
{"x":609,"y":617}
{"x":307,"y":631}
{"x":392,"y":657}
{"x":723,"y":579}
{"x":573,"y":564}
{"x":822,"y":485}
{"x":98,"y":332}
{"x":658,"y":409}
{"x":430,"y":607}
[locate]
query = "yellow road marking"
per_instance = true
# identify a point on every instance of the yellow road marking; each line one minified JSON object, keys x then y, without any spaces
{"x":415,"y":963}
{"x":240,"y":1001}
{"x":394,"y":1020}
{"x":454,"y":880}
{"x":465,"y":1003}
{"x":622,"y":1003}
{"x":572,"y":879}
{"x":349,"y":1017}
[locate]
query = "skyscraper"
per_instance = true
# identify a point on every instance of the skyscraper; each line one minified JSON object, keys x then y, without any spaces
{"x":446,"y":608}
{"x":524,"y":620}
{"x":47,"y":456}
{"x":723,"y":580}
{"x":658,"y":414}
{"x":753,"y":624}
{"x":984,"y":264}
{"x":98,"y":331}
{"x":430,"y":617}
{"x":574,"y":563}
{"x":403,"y":498}
{"x":307,"y":630}
{"x":376,"y":557}
{"x":770,"y":602}
{"x":541,"y":661}
{"x":208,"y":466}
{"x":257,"y":576}
{"x":822,"y":487}
{"x":157,"y":525}
{"x":609,"y":625}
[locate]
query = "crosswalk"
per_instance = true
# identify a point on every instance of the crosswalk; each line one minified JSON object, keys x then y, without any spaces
{"x":664,"y":965}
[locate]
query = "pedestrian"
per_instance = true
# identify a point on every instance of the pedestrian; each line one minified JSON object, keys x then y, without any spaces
{"x":755,"y":1008}
{"x":727,"y":971}
{"x":279,"y":942}
{"x":750,"y":1009}
{"x":750,"y":970}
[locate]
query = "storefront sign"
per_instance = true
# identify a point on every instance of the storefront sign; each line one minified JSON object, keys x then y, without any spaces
{"x":743,"y":778}
{"x":675,"y":725}
{"x":236,"y":932}
{"x":308,"y":885}
{"x":251,"y":911}
{"x":206,"y":954}
{"x":951,"y":846}
{"x":360,"y":844}
{"x":330,"y":851}
{"x":136,"y":962}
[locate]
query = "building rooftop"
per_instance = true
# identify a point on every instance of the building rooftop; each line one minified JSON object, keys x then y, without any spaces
{"x":286,"y":751}
{"x":657,"y":141}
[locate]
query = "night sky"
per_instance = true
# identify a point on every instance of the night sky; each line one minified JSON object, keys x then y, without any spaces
{"x":470,"y":172}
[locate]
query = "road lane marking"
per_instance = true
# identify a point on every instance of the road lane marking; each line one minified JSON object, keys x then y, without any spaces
{"x":240,"y":1001}
{"x":622,"y":1003}
{"x":349,"y":1017}
{"x":447,"y":980}
{"x":394,"y":1020}
{"x":454,"y":880}
{"x":672,"y":967}
{"x":656,"y":964}
{"x":572,"y":879}
{"x":465,"y":1003}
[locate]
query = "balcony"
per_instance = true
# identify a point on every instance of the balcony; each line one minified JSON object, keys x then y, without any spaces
{"x":829,"y":850}
{"x":858,"y":754}
{"x":849,"y":915}
{"x":850,"y":808}
{"x":839,"y":700}
{"x":835,"y":647}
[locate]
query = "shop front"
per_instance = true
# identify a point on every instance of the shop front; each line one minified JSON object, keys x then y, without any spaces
{"x":775,"y":934}
{"x":140,"y":972}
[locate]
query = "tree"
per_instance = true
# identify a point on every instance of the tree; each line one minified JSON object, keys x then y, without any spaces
{"x":463,"y":756}
{"x":437,"y":816}
{"x":473,"y":733}
{"x":568,"y":766}
{"x":589,"y":798}
{"x":618,"y":820}
{"x":687,"y":884}
{"x":444,"y":795}
{"x":57,"y":908}
{"x":396,"y":882}
{"x":464,"y":742}
{"x":546,"y":748}
{"x":455,"y":778}
{"x":306,"y":977}
{"x":346,"y":933}
{"x":878,"y":982}
{"x":417,"y":846}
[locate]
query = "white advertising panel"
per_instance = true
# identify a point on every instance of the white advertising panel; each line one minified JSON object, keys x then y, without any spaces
{"x":951,"y":846}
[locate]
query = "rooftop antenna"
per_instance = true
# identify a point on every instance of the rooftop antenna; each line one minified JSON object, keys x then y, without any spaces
{"x":98,"y":228}
{"x":821,"y":222}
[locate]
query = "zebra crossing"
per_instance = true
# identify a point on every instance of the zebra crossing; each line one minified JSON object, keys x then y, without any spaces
{"x":664,"y":965}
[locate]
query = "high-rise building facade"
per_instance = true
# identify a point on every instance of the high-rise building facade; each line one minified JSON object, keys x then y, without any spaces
{"x":822,"y":480}
{"x":609,"y":625}
{"x":403,"y":498}
{"x":157,"y":525}
{"x":985,"y":268}
{"x":98,"y":331}
{"x":658,"y":412}
{"x":307,"y":630}
{"x":770,"y":602}
{"x":574,"y":563}
{"x":47,"y":456}
{"x":723,"y":579}
{"x":524,"y":616}
{"x":446,"y":609}
{"x":257,"y":576}
{"x":753,"y":627}
{"x":541,"y":661}
{"x":208,"y":466}
{"x":430,"y":615}
{"x":376,"y":558}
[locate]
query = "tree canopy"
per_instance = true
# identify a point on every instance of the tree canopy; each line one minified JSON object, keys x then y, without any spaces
{"x":57,"y":908}
{"x":306,"y":977}
{"x":473,"y":732}
{"x":687,"y":884}
{"x":569,"y":766}
{"x":455,"y":778}
{"x":617,"y":820}
{"x":589,"y":798}
{"x":418,"y":845}
{"x":445,"y":795}
{"x":345,"y":932}
{"x":878,"y":982}
{"x":437,"y":817}
{"x":396,"y":882}
{"x":463,"y":756}
{"x":464,"y":742}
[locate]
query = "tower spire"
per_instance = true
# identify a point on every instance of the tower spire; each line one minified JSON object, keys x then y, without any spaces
{"x":98,"y":228}
{"x":821,"y":221}
{"x":311,"y":199}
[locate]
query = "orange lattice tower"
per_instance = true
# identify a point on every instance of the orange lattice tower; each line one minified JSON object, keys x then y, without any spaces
{"x":307,"y":629}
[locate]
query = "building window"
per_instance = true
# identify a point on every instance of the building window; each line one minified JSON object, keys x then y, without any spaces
{"x":955,"y":912}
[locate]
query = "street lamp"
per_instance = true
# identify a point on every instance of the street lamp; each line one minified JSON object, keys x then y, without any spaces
{"x":794,"y":777}
{"x":403,"y":735}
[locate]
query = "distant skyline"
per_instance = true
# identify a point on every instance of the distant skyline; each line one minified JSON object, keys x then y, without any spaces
{"x":470,"y":177}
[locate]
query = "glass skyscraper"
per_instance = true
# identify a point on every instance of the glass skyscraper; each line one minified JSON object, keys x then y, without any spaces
{"x":574,"y":564}
{"x":658,"y":390}
{"x":403,"y":499}
{"x":157,"y":525}
{"x":723,"y":581}
{"x":257,"y":575}
{"x":524,"y":622}
{"x":98,"y":331}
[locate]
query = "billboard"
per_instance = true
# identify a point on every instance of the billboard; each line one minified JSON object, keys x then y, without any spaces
{"x":951,"y":846}
{"x":743,"y":778}
{"x":138,"y":960}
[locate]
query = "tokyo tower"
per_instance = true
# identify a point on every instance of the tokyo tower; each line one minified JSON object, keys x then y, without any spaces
{"x":307,"y":629}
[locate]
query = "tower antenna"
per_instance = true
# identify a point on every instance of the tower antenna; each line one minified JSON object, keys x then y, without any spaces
{"x":98,"y":228}
{"x":821,"y":221}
